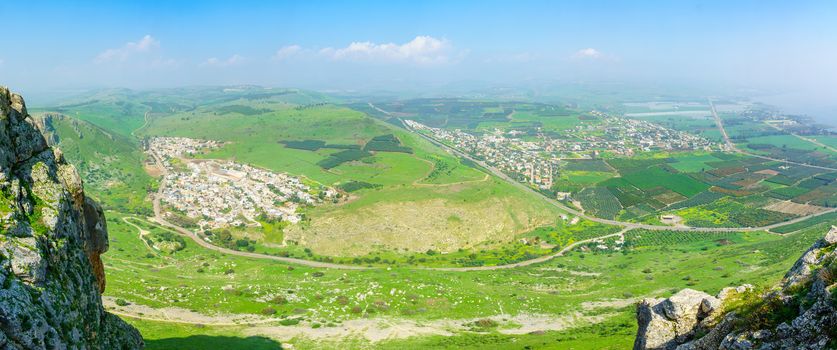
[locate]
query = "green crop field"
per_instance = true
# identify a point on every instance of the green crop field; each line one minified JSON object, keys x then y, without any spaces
{"x":656,"y":176}
{"x":400,"y":175}
{"x":411,"y":208}
{"x":414,"y":182}
{"x":788,"y":141}
{"x":197,"y":282}
{"x":689,"y":163}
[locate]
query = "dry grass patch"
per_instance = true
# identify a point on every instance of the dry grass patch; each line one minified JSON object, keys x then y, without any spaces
{"x":417,"y":226}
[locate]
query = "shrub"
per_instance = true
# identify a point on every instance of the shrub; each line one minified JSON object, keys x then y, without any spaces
{"x":268,"y":311}
{"x":758,"y":311}
{"x":485,"y":323}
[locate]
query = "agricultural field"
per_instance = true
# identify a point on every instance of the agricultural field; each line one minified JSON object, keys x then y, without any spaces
{"x":828,"y":140}
{"x":409,"y":208}
{"x":406,"y":180}
{"x":783,"y":141}
{"x":705,"y":189}
{"x":478,"y":115}
{"x":588,"y":293}
{"x":599,"y":201}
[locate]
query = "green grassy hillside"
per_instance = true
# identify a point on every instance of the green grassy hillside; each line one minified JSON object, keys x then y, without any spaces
{"x":417,"y":188}
{"x":110,"y":164}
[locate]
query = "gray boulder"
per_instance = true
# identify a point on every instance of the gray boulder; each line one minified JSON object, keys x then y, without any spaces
{"x":809,"y":286}
{"x":51,"y":237}
{"x":666,"y":323}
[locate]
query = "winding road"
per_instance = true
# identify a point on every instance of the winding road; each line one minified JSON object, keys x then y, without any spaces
{"x":732,"y":147}
{"x":158,"y":218}
{"x":630,"y":225}
{"x":627,"y":226}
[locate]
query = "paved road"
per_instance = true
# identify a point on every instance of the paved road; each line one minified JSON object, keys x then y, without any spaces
{"x":531,"y":261}
{"x":720,"y":126}
{"x":627,"y":226}
{"x":630,"y":225}
{"x":158,"y":217}
{"x":733,"y":148}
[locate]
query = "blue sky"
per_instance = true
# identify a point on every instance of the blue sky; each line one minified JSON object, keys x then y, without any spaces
{"x":393,"y":44}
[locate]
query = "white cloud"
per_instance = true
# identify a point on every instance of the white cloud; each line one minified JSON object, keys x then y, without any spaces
{"x":146,"y":44}
{"x":421,"y":50}
{"x":588,"y":53}
{"x":232,"y":61}
{"x":287,"y":52}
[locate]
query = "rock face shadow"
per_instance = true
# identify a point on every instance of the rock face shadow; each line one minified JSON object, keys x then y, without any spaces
{"x":201,"y":342}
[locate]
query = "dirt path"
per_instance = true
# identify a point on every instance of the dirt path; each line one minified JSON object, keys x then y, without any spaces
{"x":370,"y":329}
{"x":803,"y":138}
{"x":733,"y":148}
{"x":159,"y":218}
{"x":432,"y":168}
{"x":581,"y":214}
{"x":145,"y":124}
{"x":532,"y":261}
{"x":142,"y":233}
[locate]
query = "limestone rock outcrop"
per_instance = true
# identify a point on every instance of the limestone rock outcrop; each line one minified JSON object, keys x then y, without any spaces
{"x":800,"y":313}
{"x":664,"y":323}
{"x":51,"y":239}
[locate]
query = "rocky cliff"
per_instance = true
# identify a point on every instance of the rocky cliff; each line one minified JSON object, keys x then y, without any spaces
{"x":797,"y":314}
{"x":51,"y":238}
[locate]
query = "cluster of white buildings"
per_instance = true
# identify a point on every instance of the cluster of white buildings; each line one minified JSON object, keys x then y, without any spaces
{"x":176,"y":147}
{"x":505,"y":151}
{"x":221,"y":193}
{"x":625,"y":136}
{"x":535,"y":159}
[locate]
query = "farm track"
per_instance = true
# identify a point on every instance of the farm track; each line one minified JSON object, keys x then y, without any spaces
{"x":627,"y":226}
{"x":535,"y":260}
{"x":631,"y":225}
{"x":142,"y":233}
{"x":417,"y":182}
{"x":735,"y":149}
{"x":803,"y":138}
{"x":158,"y":218}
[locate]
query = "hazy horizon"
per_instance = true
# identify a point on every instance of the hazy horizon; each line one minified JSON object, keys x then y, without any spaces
{"x":775,"y":48}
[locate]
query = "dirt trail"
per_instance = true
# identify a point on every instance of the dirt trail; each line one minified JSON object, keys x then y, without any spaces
{"x":733,"y":148}
{"x":142,"y":233}
{"x":158,"y":218}
{"x":417,"y":182}
{"x":531,"y":261}
{"x":371,"y":329}
{"x":581,"y":214}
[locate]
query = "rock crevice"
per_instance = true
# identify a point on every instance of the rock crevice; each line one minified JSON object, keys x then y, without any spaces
{"x":799,"y":313}
{"x":51,"y":239}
